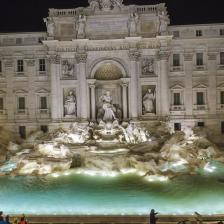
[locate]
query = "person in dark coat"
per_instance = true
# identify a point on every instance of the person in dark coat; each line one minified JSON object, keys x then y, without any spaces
{"x":152,"y":217}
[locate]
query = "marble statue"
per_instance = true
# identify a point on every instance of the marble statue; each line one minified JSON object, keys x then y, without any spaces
{"x":148,"y":102}
{"x":108,"y":108}
{"x":133,"y":21}
{"x":163,"y":23}
{"x":70,"y":104}
{"x":50,"y":26}
{"x":94,"y":5}
{"x":106,"y":4}
{"x":117,"y":3}
{"x":148,"y":66}
{"x":67,"y":68}
{"x":81,"y":26}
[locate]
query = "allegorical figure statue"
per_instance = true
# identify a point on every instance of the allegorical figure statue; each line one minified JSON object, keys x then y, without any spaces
{"x":163,"y":23}
{"x":50,"y":26}
{"x":107,"y":107}
{"x":94,"y":4}
{"x":70,"y":104}
{"x":81,"y":26}
{"x":133,"y":21}
{"x":148,"y":101}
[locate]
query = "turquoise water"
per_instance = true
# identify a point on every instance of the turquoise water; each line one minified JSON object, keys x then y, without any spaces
{"x":124,"y":194}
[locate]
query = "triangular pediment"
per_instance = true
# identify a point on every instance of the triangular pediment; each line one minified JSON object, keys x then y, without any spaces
{"x":42,"y":91}
{"x":200,"y":86}
{"x":20,"y":91}
{"x":177,"y":86}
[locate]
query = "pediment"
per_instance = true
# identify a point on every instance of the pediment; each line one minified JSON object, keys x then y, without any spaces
{"x":20,"y":91}
{"x":42,"y":91}
{"x":177,"y":86}
{"x":200,"y":86}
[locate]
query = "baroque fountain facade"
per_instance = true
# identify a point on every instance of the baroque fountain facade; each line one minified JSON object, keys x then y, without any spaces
{"x":111,"y":94}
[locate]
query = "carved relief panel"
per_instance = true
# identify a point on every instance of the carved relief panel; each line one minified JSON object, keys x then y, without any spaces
{"x":67,"y":69}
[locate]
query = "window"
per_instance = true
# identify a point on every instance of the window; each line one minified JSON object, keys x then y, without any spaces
{"x":0,"y":66}
{"x":200,"y":98}
{"x":198,"y":33}
{"x":43,"y":102}
{"x":44,"y":128}
{"x":222,"y":127}
{"x":221,"y":58}
{"x":42,"y":65}
{"x":201,"y":124}
{"x":199,"y":59}
{"x":21,"y":103}
{"x":221,"y":32}
{"x":22,"y":132}
{"x":176,"y":99}
{"x":176,"y":60}
{"x":176,"y":34}
{"x":177,"y":126}
{"x":222,"y":97}
{"x":1,"y":103}
{"x":20,"y":67}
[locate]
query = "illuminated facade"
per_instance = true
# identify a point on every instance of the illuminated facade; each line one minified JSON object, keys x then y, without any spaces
{"x":147,"y":69}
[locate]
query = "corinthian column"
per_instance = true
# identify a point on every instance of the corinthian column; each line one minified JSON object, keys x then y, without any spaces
{"x":82,"y":104}
{"x":54,"y":61}
{"x":125,"y":102}
{"x":134,"y":82}
{"x":164,"y":83}
{"x":93,"y":101}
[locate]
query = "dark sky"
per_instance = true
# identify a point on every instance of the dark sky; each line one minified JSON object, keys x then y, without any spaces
{"x":26,"y":15}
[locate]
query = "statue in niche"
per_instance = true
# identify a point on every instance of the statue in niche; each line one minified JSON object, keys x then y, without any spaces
{"x":148,"y":66}
{"x":106,"y":4}
{"x":67,"y":69}
{"x":81,"y":26}
{"x":70,"y":104}
{"x":163,"y":23}
{"x":94,"y":5}
{"x":108,"y":111}
{"x":133,"y":21}
{"x":149,"y":102}
{"x":50,"y":26}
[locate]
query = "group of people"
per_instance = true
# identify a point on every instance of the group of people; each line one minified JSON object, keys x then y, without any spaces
{"x":7,"y":220}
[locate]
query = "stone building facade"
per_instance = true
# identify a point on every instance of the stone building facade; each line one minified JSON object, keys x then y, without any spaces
{"x":148,"y":69}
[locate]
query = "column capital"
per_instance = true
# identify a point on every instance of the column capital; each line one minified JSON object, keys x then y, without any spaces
{"x":134,"y":55}
{"x":81,"y":57}
{"x":92,"y":86}
{"x":54,"y":59}
{"x":163,"y":55}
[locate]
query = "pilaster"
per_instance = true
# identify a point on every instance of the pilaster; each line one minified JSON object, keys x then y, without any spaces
{"x":83,"y":99}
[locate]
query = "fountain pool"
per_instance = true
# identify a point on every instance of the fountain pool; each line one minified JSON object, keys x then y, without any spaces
{"x":77,"y":194}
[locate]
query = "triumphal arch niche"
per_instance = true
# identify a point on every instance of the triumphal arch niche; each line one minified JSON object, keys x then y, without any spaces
{"x":108,"y":62}
{"x":111,"y":82}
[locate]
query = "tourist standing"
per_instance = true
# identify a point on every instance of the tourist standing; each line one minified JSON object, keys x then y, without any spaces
{"x":152,"y":217}
{"x":7,"y":221}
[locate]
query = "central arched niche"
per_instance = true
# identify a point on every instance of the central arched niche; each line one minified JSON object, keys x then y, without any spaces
{"x":108,"y":76}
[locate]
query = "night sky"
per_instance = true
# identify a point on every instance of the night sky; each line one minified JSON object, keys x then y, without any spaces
{"x":27,"y":15}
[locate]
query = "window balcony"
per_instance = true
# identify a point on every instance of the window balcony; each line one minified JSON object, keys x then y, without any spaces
{"x":201,"y":107}
{"x":21,"y":111}
{"x":200,"y":68}
{"x":177,"y":68}
{"x":177,"y":108}
{"x":43,"y":111}
{"x":42,"y":73}
{"x":220,"y":67}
